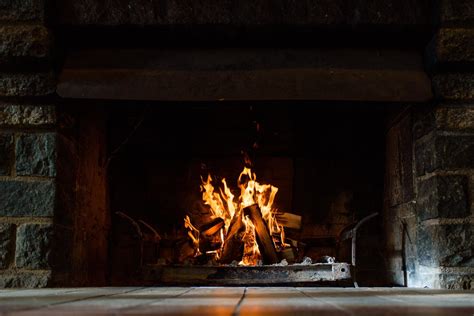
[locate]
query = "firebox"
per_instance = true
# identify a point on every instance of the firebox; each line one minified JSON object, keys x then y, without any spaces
{"x":242,"y":183}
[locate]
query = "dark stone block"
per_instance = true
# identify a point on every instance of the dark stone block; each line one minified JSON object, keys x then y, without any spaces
{"x":26,"y":84}
{"x":6,"y":153}
{"x":446,"y":245}
{"x":33,"y":246}
{"x":18,"y":198}
{"x":454,"y":86}
{"x":443,"y":197}
{"x":445,"y":117}
{"x":457,"y":281}
{"x":454,"y":118}
{"x":423,"y":120}
{"x":7,"y":244}
{"x":32,"y":41}
{"x":36,"y":154}
{"x":27,"y":115}
{"x":24,"y":279}
{"x":456,"y":11}
{"x":445,"y":152}
{"x":454,"y":45}
{"x":21,"y":10}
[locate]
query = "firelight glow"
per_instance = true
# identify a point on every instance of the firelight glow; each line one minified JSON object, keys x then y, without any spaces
{"x":223,"y":204}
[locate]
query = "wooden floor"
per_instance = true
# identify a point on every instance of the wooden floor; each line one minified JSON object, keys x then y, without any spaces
{"x":236,"y":301}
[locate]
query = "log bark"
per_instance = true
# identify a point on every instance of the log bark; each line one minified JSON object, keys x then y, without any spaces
{"x":234,"y":245}
{"x":212,"y":227}
{"x":289,"y":220}
{"x":264,"y":239}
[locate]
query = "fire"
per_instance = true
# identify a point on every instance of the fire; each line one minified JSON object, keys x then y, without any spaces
{"x":224,"y":205}
{"x":251,"y":252}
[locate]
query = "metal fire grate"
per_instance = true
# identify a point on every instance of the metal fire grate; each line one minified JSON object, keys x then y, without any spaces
{"x":313,"y":274}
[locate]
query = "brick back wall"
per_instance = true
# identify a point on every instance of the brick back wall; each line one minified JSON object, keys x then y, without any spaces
{"x":27,"y":145}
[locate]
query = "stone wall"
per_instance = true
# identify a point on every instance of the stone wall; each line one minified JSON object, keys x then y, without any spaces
{"x":430,"y":194}
{"x":444,"y":153}
{"x":27,"y":190}
{"x":27,"y":145}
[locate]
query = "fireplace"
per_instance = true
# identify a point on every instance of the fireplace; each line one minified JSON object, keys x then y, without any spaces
{"x":345,"y":112}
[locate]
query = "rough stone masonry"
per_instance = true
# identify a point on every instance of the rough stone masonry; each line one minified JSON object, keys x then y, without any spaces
{"x":27,"y":145}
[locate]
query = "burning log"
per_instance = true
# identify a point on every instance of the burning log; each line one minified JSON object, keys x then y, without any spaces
{"x":212,"y":227}
{"x":233,"y":244}
{"x":264,"y":239}
{"x":289,"y":220}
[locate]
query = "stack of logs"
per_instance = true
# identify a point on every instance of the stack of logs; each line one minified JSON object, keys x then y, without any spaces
{"x":233,"y":249}
{"x":179,"y":249}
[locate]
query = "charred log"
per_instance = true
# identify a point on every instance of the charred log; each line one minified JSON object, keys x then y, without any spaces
{"x":264,"y":239}
{"x":233,"y":244}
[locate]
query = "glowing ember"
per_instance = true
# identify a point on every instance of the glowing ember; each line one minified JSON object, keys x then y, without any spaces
{"x":222,"y":204}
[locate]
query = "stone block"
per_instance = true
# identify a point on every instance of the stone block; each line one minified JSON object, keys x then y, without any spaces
{"x":459,"y":118}
{"x":33,"y":246}
{"x":24,"y":41}
{"x":456,"y":281}
{"x":454,"y":86}
{"x":6,"y":153}
{"x":24,"y":279}
{"x":21,"y":198}
{"x":444,"y":117}
{"x":36,"y":154}
{"x":7,"y":244}
{"x":423,"y":120}
{"x":444,"y":152}
{"x":26,"y":84}
{"x":22,"y":10}
{"x":443,"y":197}
{"x":27,"y":115}
{"x":454,"y":45}
{"x":456,"y":11}
{"x":449,"y":245}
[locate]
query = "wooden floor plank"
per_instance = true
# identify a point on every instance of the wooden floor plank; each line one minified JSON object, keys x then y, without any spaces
{"x":272,"y":301}
{"x":199,"y":301}
{"x":396,"y":301}
{"x":30,"y":299}
{"x":109,"y":304}
{"x":284,"y":301}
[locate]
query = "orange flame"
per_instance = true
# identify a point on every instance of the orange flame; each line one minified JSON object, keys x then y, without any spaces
{"x":223,"y":205}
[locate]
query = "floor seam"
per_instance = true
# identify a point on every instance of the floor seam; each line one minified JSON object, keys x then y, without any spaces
{"x":236,"y":311}
{"x":348,"y":312}
{"x":158,"y":300}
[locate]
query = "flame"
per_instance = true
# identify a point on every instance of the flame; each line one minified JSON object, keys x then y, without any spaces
{"x":251,"y":252}
{"x":193,"y":234}
{"x":224,"y":205}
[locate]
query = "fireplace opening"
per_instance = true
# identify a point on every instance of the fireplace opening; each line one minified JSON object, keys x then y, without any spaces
{"x":326,"y":159}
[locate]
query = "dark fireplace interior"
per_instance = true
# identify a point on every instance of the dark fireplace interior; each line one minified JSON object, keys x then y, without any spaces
{"x":327,"y":160}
